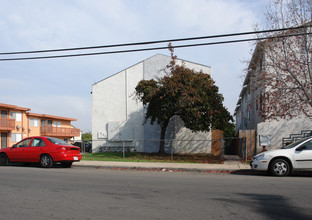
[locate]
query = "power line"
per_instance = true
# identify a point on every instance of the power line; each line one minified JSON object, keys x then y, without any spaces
{"x":153,"y":48}
{"x":153,"y":42}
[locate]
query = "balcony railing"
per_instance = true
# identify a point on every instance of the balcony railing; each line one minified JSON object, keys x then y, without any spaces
{"x":59,"y":131}
{"x":7,"y":124}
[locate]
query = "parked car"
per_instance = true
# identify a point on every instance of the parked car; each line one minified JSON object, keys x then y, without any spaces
{"x":44,"y":150}
{"x":281,"y":162}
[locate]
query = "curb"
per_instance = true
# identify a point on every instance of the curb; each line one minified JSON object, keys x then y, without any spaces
{"x":214,"y":171}
{"x":164,"y":169}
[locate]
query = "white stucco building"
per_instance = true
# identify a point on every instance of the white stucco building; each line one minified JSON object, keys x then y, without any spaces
{"x":249,"y":115}
{"x":118,"y":118}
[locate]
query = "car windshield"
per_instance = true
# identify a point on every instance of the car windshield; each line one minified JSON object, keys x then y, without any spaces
{"x":295,"y":143}
{"x":57,"y":141}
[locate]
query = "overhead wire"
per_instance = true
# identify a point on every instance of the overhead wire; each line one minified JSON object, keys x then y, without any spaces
{"x":150,"y":42}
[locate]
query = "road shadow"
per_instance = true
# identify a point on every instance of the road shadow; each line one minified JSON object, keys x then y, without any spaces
{"x":264,"y":173}
{"x":35,"y":165}
{"x":267,"y":206}
{"x":275,"y":207}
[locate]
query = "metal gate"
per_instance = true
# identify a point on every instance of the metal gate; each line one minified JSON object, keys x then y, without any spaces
{"x":234,"y":146}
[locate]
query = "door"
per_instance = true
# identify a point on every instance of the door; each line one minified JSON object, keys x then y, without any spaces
{"x":18,"y":153}
{"x":35,"y":149}
{"x":4,"y":140}
{"x":303,"y":156}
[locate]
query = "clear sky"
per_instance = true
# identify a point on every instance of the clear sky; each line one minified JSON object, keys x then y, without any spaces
{"x":62,"y":86}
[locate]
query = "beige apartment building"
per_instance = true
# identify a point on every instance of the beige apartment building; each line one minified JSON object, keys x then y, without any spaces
{"x":17,"y":123}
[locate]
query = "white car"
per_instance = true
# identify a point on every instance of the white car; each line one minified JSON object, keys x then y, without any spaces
{"x":281,"y":162}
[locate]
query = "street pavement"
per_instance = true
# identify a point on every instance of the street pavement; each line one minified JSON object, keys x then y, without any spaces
{"x":227,"y":166}
{"x":29,"y":193}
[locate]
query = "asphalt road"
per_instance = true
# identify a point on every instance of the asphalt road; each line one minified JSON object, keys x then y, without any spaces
{"x":89,"y":193}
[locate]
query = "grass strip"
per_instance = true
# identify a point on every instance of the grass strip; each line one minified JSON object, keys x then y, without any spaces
{"x":153,"y":157}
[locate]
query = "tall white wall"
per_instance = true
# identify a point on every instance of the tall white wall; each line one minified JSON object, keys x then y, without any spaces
{"x":183,"y":141}
{"x":117,"y":115}
{"x":113,"y":105}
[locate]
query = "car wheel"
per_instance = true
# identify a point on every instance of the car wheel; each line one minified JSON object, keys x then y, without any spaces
{"x":46,"y":161}
{"x":279,"y":167}
{"x":4,"y":160}
{"x":66,"y":164}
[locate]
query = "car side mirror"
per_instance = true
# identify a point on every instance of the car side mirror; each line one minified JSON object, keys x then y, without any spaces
{"x":14,"y":146}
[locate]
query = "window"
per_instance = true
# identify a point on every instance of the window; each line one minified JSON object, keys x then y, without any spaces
{"x":307,"y":145}
{"x":57,"y":141}
{"x":261,"y":102}
{"x":4,"y":114}
{"x":33,"y":122}
{"x":43,"y":122}
{"x":296,"y":143}
{"x":37,"y":142}
{"x":16,"y":115}
{"x":16,"y":137}
{"x":24,"y":143}
{"x":57,"y":124}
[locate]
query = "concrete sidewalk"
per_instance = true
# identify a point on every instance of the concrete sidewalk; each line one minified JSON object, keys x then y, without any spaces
{"x":228,"y":165}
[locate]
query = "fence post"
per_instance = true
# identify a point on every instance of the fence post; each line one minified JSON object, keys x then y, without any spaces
{"x":172,"y":150}
{"x":123,"y":149}
{"x":222,"y":148}
{"x":216,"y":139}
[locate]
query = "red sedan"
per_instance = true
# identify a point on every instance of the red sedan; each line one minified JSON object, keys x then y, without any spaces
{"x":43,"y":150}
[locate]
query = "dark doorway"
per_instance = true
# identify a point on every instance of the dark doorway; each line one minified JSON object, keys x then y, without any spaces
{"x":4,"y":140}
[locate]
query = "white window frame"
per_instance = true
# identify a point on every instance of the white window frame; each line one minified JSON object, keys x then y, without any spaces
{"x":16,"y":115}
{"x":15,"y":137}
{"x":33,"y":122}
{"x":57,"y":124}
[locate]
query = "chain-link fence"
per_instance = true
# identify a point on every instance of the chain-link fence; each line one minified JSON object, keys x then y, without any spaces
{"x":228,"y":146}
{"x":170,"y":146}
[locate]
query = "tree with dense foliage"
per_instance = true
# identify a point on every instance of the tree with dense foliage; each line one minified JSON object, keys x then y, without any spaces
{"x":229,"y":130}
{"x":86,"y":136}
{"x":286,"y":74}
{"x":183,"y":92}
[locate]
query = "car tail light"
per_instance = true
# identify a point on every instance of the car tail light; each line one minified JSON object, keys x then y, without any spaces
{"x":68,"y":148}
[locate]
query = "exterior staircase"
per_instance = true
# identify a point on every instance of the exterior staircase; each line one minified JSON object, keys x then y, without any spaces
{"x":294,"y":137}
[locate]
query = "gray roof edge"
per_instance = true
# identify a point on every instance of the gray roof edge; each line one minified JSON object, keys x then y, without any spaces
{"x":157,"y":54}
{"x":126,"y":69}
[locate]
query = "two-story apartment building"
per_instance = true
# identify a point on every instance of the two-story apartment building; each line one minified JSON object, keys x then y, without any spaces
{"x":17,"y":123}
{"x":263,"y":93}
